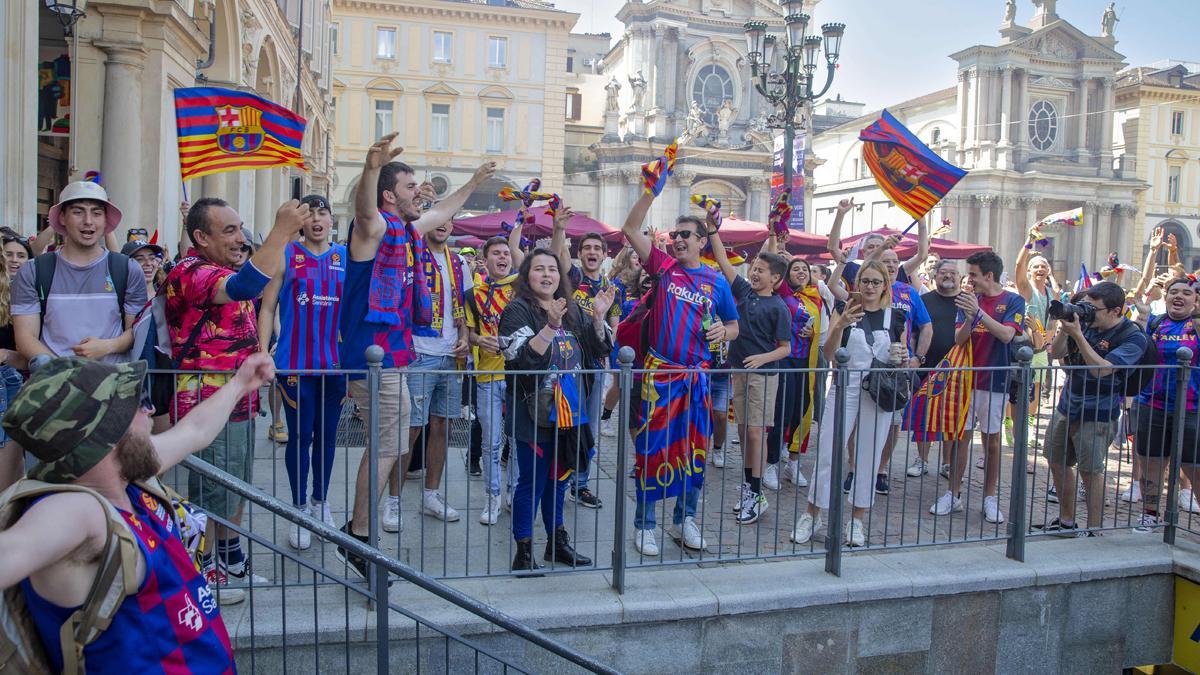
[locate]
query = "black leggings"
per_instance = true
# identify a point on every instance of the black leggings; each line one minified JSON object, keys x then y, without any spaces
{"x":791,"y":401}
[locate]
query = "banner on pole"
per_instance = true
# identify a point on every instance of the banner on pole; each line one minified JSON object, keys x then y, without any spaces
{"x":799,"y":145}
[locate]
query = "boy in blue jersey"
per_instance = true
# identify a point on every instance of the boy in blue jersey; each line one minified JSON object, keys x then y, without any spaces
{"x":305,"y":302}
{"x":692,"y":307}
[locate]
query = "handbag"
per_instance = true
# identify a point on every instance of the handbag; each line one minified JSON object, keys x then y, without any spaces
{"x":888,"y":386}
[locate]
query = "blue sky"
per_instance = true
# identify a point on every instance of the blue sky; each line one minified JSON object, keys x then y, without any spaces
{"x":894,"y":51}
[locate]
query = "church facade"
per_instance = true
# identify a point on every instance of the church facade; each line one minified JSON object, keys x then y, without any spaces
{"x":1031,"y":119}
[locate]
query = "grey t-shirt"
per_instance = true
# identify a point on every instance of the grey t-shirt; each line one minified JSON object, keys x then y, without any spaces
{"x":82,"y":303}
{"x":763,"y":322}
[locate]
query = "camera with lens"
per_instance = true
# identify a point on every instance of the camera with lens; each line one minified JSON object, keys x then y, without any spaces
{"x":1085,"y":313}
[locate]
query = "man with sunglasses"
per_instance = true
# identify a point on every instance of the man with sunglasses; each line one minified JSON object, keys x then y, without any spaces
{"x":1085,"y":421}
{"x":691,"y":308}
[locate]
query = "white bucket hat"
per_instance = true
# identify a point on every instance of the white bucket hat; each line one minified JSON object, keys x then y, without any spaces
{"x":90,"y":191}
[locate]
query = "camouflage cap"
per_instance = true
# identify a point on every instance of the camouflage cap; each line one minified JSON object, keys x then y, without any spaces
{"x":71,"y":413}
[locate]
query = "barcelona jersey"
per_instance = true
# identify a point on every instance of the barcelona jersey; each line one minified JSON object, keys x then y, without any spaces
{"x":1168,"y":336}
{"x":1007,"y":308}
{"x":683,"y":299}
{"x":310,"y":308}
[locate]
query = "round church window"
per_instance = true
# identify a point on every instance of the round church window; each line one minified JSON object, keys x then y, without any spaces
{"x":1043,"y":125}
{"x":710,"y":90}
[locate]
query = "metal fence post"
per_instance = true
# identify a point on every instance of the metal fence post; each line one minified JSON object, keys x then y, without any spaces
{"x":1183,"y":359}
{"x":837,"y":501}
{"x":625,"y":386}
{"x":378,"y":580}
{"x":1016,"y":505}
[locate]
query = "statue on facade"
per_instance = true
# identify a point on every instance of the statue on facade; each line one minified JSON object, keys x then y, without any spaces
{"x":1109,"y":20}
{"x":695,"y":127}
{"x":638,"y":84}
{"x":725,"y":115}
{"x":1010,"y":11}
{"x":612,"y":89}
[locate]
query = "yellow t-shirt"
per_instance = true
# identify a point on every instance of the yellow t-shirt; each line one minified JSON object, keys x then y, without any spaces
{"x":485,"y":304}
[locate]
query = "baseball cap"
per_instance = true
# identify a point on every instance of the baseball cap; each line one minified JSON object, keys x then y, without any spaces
{"x":71,"y":413}
{"x":84,"y":190}
{"x":316,"y":202}
{"x":138,"y":244}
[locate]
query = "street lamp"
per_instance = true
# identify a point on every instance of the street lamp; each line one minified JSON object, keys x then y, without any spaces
{"x":67,"y":11}
{"x":790,"y":89}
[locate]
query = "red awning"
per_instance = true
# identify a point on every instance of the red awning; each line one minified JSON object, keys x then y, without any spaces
{"x":947,"y":248}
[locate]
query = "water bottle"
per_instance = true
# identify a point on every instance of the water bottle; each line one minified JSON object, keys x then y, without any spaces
{"x":896,"y":354}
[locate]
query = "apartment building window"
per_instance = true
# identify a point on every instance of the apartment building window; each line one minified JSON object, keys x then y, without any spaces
{"x":497,"y":52}
{"x":570,"y":64}
{"x":495,"y":130}
{"x":443,"y":46}
{"x":385,"y":43}
{"x":1177,"y":122}
{"x":1173,"y":184}
{"x":335,"y":29}
{"x":574,"y":105}
{"x":440,"y":127}
{"x":384,"y":118}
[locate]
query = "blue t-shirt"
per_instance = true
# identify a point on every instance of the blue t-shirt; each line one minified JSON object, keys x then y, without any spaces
{"x":1168,"y":336}
{"x":1098,"y":399}
{"x":905,"y":297}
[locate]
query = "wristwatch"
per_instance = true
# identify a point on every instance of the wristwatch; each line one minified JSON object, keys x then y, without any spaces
{"x":921,"y":358}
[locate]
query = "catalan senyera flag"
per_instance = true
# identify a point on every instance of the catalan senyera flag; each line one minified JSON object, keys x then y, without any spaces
{"x":907,"y":171}
{"x":938,"y":410}
{"x":227,"y":130}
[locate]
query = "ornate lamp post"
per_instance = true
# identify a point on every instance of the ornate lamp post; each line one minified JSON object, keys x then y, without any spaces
{"x":790,"y":87}
{"x":67,"y":11}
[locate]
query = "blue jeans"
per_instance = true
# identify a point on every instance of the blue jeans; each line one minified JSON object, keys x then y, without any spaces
{"x":595,"y":405}
{"x":489,"y":405}
{"x":312,"y":405}
{"x":685,"y":507}
{"x":439,"y":395}
{"x":537,"y":485}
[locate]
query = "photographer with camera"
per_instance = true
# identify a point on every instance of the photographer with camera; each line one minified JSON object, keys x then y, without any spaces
{"x":1096,"y":334}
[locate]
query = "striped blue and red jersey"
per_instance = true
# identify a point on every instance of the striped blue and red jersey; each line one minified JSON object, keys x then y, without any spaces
{"x":1168,"y":335}
{"x":171,"y":625}
{"x":800,"y":319}
{"x":684,"y":297}
{"x":310,"y":303}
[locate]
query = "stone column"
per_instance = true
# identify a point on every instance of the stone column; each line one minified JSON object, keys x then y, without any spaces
{"x":18,"y":116}
{"x":1081,"y":126}
{"x":1022,"y":119}
{"x":1107,"y":238}
{"x":1106,"y":128}
{"x":972,"y":104}
{"x":1031,"y":212}
{"x":1127,"y":240}
{"x":1006,"y":75}
{"x":264,"y":208}
{"x":611,"y":196}
{"x":985,"y":233}
{"x":1088,"y":236}
{"x":682,"y":179}
{"x":962,"y":114}
{"x":1008,"y":227}
{"x":758,"y":205}
{"x":121,"y":148}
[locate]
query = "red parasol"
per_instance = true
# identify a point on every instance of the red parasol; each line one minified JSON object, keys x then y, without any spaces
{"x":947,"y":248}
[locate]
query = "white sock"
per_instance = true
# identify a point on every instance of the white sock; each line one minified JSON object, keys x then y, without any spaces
{"x":429,"y":493}
{"x":393,"y":501}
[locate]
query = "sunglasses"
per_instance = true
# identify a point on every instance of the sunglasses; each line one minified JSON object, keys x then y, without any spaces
{"x":685,"y":234}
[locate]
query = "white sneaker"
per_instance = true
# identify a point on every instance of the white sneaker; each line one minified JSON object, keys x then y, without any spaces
{"x":689,"y":535}
{"x":946,"y":504}
{"x":321,"y":511}
{"x":991,"y":510}
{"x":804,"y":528}
{"x":299,"y":538}
{"x":770,"y":477}
{"x":391,"y":517}
{"x":508,"y":500}
{"x":434,"y":504}
{"x":491,"y":510}
{"x":944,"y":472}
{"x":1133,"y":493}
{"x":1187,"y":502}
{"x":645,"y":543}
{"x":918,"y":468}
{"x":718,"y":458}
{"x":608,"y":427}
{"x":791,"y":473}
{"x":855,"y":534}
{"x":1146,"y":523}
{"x":744,"y":494}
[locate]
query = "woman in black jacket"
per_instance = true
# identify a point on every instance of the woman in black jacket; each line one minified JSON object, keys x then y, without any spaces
{"x":543,"y":329}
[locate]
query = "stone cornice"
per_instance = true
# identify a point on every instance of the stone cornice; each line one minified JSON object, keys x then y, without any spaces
{"x":386,"y":9}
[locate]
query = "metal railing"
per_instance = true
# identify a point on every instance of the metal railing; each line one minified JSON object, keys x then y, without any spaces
{"x":896,"y":512}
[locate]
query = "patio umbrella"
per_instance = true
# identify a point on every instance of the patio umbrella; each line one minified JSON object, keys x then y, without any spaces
{"x":947,"y":248}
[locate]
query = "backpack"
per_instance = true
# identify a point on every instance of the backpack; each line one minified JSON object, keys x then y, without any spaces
{"x":21,"y":648}
{"x":633,"y":331}
{"x":118,"y":275}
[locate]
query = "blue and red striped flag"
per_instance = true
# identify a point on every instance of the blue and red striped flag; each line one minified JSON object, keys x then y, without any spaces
{"x":1084,"y":281}
{"x":938,"y":410}
{"x":908,"y":172}
{"x":227,"y":130}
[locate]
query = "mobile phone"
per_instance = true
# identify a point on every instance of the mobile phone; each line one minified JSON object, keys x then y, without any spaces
{"x":855,"y":299}
{"x":296,"y":190}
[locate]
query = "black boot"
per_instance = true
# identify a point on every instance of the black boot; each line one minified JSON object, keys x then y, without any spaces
{"x":560,"y":550}
{"x":523,"y":560}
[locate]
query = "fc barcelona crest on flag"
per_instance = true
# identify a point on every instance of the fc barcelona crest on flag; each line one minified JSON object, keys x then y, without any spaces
{"x":239,"y":129}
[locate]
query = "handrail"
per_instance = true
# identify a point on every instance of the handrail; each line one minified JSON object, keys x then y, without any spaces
{"x":396,"y":567}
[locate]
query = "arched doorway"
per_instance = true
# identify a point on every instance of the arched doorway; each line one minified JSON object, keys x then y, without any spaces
{"x":733,"y":199}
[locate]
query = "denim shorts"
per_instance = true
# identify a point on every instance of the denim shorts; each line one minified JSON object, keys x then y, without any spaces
{"x":718,"y":387}
{"x":434,"y":394}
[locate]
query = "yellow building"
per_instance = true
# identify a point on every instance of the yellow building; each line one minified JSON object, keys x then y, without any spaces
{"x":460,"y":81}
{"x":103,"y":100}
{"x":1157,"y":139}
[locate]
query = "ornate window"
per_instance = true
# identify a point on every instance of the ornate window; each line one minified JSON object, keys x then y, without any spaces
{"x":1043,"y":125}
{"x":710,"y":89}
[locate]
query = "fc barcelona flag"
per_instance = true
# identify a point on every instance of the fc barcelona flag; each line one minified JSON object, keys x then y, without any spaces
{"x":907,"y":171}
{"x":938,"y":410}
{"x":228,"y":130}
